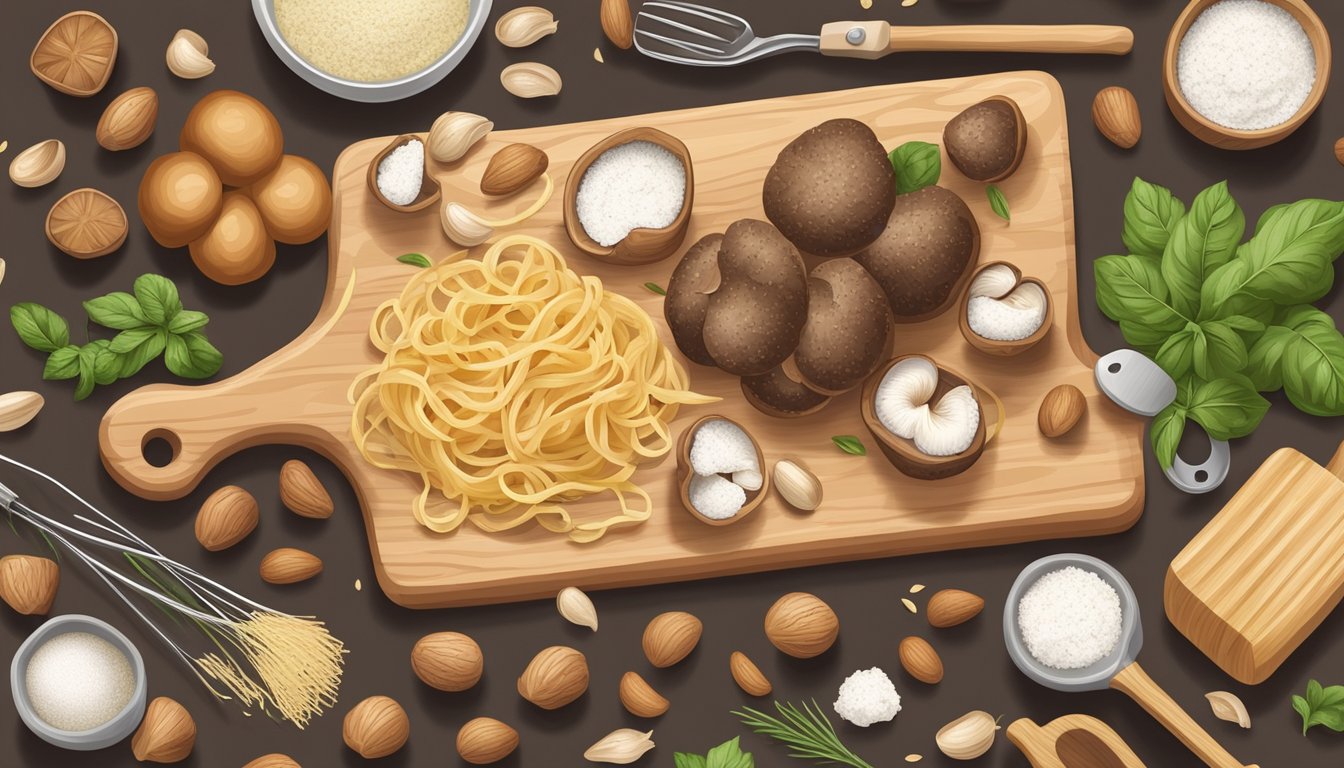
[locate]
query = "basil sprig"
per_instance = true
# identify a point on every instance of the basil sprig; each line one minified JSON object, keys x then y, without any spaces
{"x":1226,"y":319}
{"x":150,"y":322}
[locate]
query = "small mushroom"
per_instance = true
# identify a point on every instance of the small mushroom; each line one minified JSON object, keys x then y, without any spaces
{"x":986,"y":141}
{"x":927,"y":420}
{"x":717,"y":473}
{"x":1005,"y":313}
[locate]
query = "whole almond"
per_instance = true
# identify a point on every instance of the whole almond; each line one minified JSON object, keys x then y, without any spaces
{"x":513,"y":168}
{"x":302,"y":493}
{"x":950,"y":607}
{"x":555,"y":677}
{"x":670,"y":637}
{"x":18,"y":408}
{"x":274,"y":760}
{"x":1339,"y":151}
{"x":287,"y":565}
{"x":167,"y":733}
{"x":485,"y":740}
{"x":1116,"y":114}
{"x":748,"y":676}
{"x":1061,"y":410}
{"x":448,"y":661}
{"x":28,"y":584}
{"x":129,"y":120}
{"x":639,"y":697}
{"x":617,"y":23}
{"x":226,"y":517}
{"x":376,"y":727}
{"x":801,"y":625}
{"x":921,"y":660}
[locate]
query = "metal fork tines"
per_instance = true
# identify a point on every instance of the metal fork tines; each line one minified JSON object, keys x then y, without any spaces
{"x":687,"y":33}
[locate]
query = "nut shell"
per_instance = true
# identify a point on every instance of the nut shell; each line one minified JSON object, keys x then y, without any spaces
{"x":376,"y":727}
{"x":237,"y":248}
{"x":513,"y":168}
{"x":485,"y":740}
{"x":748,"y":676}
{"x":236,"y":134}
{"x":302,"y":493}
{"x":447,"y":661}
{"x":87,"y":224}
{"x":287,"y":565}
{"x":180,"y":197}
{"x":921,"y":661}
{"x":28,"y":584}
{"x":801,"y":625}
{"x":639,"y":697}
{"x":555,"y":677}
{"x":950,"y":607}
{"x":670,"y":637}
{"x":1115,"y":112}
{"x":1061,"y":410}
{"x":226,"y":517}
{"x":274,"y":760}
{"x":166,"y":735}
{"x":76,"y":54}
{"x":128,"y":120}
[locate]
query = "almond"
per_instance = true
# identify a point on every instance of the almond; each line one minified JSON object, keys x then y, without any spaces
{"x":1116,"y":113}
{"x":274,"y":760}
{"x":226,"y":518}
{"x":748,"y":676}
{"x":950,"y":607}
{"x":801,"y":625}
{"x":513,"y":168}
{"x":28,"y":584}
{"x":1339,"y":151}
{"x":302,"y":493}
{"x":287,"y":565}
{"x":166,"y":735}
{"x":485,"y":740}
{"x":640,"y":698}
{"x":448,"y":661}
{"x":376,"y":727}
{"x":671,"y":637}
{"x":617,"y":23}
{"x":129,"y":120}
{"x":555,"y":677}
{"x":18,"y":408}
{"x":920,"y":660}
{"x":1061,"y":410}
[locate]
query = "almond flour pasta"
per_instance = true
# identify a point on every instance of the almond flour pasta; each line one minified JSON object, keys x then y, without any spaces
{"x":513,"y":385}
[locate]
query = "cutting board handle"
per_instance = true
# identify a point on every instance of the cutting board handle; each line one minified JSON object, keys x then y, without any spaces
{"x":1336,"y":465}
{"x":1137,"y":685}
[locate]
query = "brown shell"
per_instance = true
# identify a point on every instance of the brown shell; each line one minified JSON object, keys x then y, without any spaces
{"x":76,"y":54}
{"x":687,"y":300}
{"x":684,"y":472}
{"x":1005,"y":348}
{"x":430,"y":191}
{"x":902,"y":452}
{"x":986,"y":141}
{"x":87,"y":224}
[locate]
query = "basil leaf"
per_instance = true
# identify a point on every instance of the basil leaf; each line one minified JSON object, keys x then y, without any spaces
{"x":1225,"y":351}
{"x":414,"y":259}
{"x":850,"y":444}
{"x":137,"y":347}
{"x":1288,"y":261}
{"x":998,"y":203}
{"x":187,"y":320}
{"x":106,"y":363}
{"x":39,"y":327}
{"x":685,"y":760}
{"x":1176,"y":356}
{"x":1322,"y":706}
{"x":1313,"y":363}
{"x":192,"y":356}
{"x":1264,"y":360}
{"x":1227,"y":408}
{"x":1151,"y":213}
{"x":656,"y":288}
{"x":1165,"y":433}
{"x":918,"y":164}
{"x":1130,"y":290}
{"x":62,"y":364}
{"x":1205,"y":239}
{"x":118,"y":310}
{"x":158,"y":298}
{"x":86,"y":379}
{"x":729,"y":755}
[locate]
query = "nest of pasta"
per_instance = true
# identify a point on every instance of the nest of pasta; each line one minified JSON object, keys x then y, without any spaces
{"x":512,"y":385}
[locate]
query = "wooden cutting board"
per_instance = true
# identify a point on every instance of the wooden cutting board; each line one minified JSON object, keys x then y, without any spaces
{"x":1023,"y":488}
{"x":1267,"y":570}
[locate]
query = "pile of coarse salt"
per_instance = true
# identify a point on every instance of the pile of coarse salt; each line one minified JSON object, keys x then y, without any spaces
{"x":78,"y":681}
{"x":718,"y":448}
{"x":402,"y":173}
{"x":634,"y":185}
{"x":1246,"y":65}
{"x":866,"y":697}
{"x":1070,"y":618}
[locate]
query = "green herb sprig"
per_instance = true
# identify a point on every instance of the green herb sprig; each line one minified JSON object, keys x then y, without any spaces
{"x":1321,"y":706}
{"x":918,"y":164}
{"x":1226,"y":319}
{"x":998,"y":202}
{"x":807,"y":732}
{"x":414,"y":259}
{"x":727,"y":755}
{"x":850,"y":444}
{"x":150,"y":322}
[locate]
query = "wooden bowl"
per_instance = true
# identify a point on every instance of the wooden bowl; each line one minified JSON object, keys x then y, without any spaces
{"x":902,"y":452}
{"x":684,"y":472}
{"x":429,"y":186}
{"x":1229,"y":138}
{"x":1005,"y":348}
{"x":642,"y":245}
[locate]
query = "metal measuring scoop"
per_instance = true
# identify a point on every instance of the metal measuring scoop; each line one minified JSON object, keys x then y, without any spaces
{"x":1118,"y":670}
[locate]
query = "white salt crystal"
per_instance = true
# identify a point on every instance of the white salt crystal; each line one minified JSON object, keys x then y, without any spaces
{"x":720,"y":446}
{"x":716,"y":497}
{"x":866,"y":697}
{"x":1005,"y":320}
{"x":632,"y":185}
{"x":78,"y":681}
{"x":1070,"y":618}
{"x":402,"y":173}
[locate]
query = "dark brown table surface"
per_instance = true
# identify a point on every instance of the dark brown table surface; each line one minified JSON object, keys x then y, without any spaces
{"x":250,"y":322}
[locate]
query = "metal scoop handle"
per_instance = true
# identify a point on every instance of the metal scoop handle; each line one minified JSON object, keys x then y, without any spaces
{"x":1137,"y":685}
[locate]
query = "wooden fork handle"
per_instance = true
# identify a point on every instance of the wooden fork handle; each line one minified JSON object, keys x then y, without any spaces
{"x":1136,"y":684}
{"x":875,"y":39}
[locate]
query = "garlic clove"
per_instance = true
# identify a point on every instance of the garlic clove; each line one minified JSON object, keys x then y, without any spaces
{"x":1226,"y":706}
{"x":39,"y":164}
{"x":950,"y":426}
{"x":800,"y":488}
{"x":967,"y":737}
{"x":524,"y":26}
{"x":187,"y":56}
{"x":464,"y":227}
{"x":576,"y":607}
{"x":903,"y":394}
{"x":530,"y":80}
{"x":994,"y":281}
{"x":454,"y":134}
{"x":620,"y":747}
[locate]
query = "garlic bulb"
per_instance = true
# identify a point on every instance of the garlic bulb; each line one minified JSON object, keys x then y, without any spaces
{"x":621,"y":747}
{"x":454,"y":133}
{"x":464,"y":227}
{"x":524,"y":26}
{"x":188,"y":56}
{"x":577,"y":607}
{"x":969,"y":736}
{"x":529,"y":80}
{"x":946,"y":428}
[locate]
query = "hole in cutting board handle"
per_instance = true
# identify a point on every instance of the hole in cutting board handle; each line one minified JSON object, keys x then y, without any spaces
{"x":160,"y":447}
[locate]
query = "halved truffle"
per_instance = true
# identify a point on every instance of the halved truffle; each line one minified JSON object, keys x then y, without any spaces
{"x":848,"y":326}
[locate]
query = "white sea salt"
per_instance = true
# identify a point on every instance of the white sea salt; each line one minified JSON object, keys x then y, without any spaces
{"x":1070,"y":618}
{"x":78,"y":681}
{"x":716,"y":497}
{"x":720,"y":445}
{"x":866,"y":697}
{"x":1246,"y":65}
{"x":1006,"y":319}
{"x":402,"y":173}
{"x":634,"y":185}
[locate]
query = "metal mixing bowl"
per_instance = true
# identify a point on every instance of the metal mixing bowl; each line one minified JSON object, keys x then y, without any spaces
{"x":386,"y":90}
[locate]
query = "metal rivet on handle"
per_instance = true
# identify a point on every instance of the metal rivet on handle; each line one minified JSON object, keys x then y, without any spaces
{"x":856,"y":36}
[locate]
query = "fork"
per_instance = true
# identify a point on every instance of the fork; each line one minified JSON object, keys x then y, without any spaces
{"x":698,"y":35}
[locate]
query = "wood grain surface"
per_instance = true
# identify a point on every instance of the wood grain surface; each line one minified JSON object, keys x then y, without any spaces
{"x":1024,"y":488}
{"x":1072,"y":741}
{"x":1267,"y":570}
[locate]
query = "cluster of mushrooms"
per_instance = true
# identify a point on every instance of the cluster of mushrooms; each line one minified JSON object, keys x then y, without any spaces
{"x":746,"y":302}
